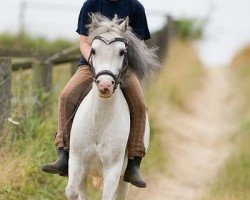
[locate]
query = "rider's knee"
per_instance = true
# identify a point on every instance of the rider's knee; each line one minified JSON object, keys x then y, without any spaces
{"x":139,"y":107}
{"x":65,"y":97}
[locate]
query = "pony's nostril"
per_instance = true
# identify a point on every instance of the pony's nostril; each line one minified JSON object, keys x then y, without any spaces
{"x":104,"y":90}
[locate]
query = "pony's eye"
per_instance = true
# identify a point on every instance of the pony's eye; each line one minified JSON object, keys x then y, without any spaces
{"x":93,"y":51}
{"x":122,"y":52}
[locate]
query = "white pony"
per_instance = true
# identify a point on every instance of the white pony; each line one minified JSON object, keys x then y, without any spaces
{"x":102,"y":122}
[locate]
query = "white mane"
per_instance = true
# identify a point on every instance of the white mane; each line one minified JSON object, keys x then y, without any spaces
{"x":142,"y":60}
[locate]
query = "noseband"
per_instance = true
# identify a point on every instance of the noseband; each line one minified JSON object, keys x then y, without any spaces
{"x":116,"y":77}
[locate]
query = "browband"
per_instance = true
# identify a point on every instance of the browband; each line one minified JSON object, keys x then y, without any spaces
{"x":107,"y":42}
{"x":116,"y":77}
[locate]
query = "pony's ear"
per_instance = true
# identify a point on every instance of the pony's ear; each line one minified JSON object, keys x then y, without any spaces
{"x":115,"y":18}
{"x":124,"y":25}
{"x":94,"y":19}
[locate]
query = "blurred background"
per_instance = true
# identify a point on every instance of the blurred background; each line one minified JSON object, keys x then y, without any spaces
{"x":225,"y":31}
{"x":198,"y":103}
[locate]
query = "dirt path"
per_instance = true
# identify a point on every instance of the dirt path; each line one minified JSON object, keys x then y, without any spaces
{"x":198,"y":142}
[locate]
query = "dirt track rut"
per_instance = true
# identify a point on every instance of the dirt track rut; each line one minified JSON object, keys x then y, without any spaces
{"x":197,"y":142}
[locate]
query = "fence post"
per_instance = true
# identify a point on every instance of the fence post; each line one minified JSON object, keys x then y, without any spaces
{"x":171,"y":28}
{"x":5,"y":91}
{"x":43,"y":82}
{"x":43,"y":76}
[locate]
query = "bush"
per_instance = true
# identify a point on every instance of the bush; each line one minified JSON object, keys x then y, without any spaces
{"x":190,"y":28}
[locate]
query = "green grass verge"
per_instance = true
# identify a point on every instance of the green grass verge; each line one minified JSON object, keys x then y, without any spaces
{"x":233,"y":182}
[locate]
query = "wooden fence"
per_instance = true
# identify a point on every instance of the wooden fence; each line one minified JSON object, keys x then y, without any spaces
{"x":42,"y":75}
{"x":5,"y":90}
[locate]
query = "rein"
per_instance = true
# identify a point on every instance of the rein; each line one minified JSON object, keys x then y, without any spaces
{"x":116,"y":77}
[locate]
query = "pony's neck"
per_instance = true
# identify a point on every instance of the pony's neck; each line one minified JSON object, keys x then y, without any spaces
{"x":104,"y":105}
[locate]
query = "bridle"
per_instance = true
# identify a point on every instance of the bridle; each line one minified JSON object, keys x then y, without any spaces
{"x":116,"y":77}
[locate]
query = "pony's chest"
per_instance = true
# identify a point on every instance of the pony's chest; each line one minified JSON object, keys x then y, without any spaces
{"x":105,"y":144}
{"x":101,"y":154}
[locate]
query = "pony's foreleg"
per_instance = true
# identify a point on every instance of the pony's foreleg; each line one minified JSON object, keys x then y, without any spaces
{"x":76,"y":176}
{"x":122,"y":190}
{"x":83,"y":190}
{"x":111,"y":177}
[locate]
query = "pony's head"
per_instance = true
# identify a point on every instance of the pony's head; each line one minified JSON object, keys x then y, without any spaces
{"x":114,"y":48}
{"x":108,"y":52}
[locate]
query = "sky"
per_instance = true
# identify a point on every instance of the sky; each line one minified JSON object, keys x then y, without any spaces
{"x":227,"y":29}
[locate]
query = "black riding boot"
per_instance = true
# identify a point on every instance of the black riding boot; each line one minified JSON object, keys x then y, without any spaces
{"x":132,"y":173}
{"x":60,"y":166}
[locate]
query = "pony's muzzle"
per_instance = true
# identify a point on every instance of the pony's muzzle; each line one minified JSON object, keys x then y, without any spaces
{"x":105,"y":87}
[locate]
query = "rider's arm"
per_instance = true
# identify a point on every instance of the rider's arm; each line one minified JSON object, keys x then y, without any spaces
{"x":85,"y":46}
{"x":82,"y":30}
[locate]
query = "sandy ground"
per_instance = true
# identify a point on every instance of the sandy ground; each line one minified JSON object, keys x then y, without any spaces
{"x":198,"y":142}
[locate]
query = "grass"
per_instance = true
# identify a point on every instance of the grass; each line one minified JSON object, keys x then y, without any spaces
{"x":233,"y":182}
{"x":34,"y":45}
{"x":27,"y":146}
{"x":179,"y":78}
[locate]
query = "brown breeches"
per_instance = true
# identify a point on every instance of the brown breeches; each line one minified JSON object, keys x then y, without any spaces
{"x":78,"y":87}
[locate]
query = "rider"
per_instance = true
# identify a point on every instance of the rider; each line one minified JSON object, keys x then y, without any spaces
{"x":81,"y":82}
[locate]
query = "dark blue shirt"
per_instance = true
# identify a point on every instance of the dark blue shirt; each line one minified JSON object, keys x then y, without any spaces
{"x":123,"y":8}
